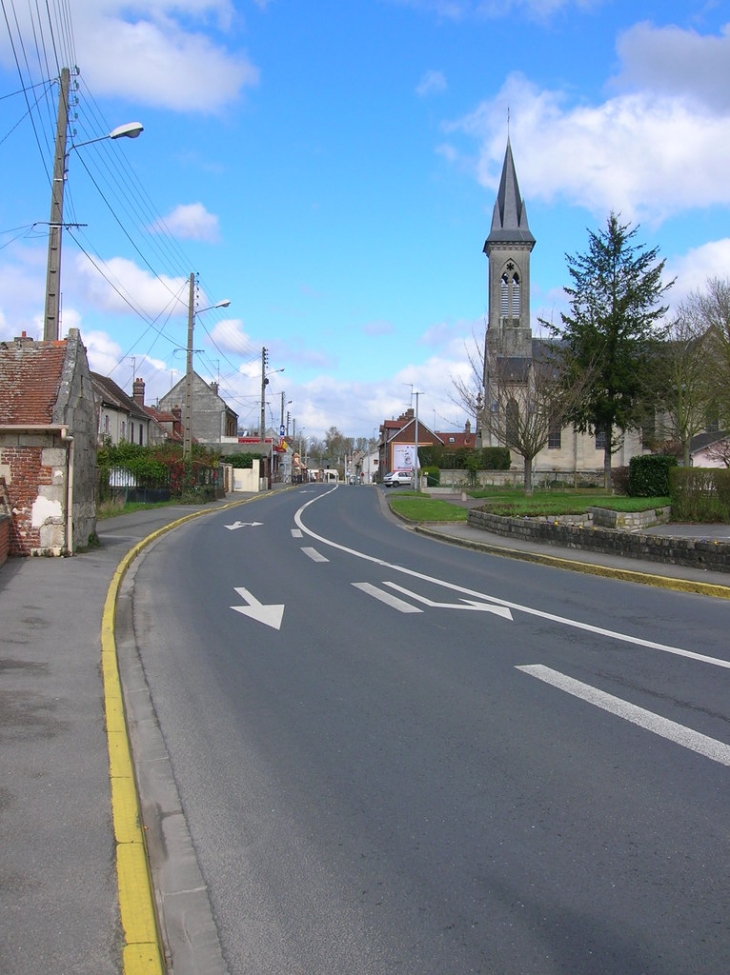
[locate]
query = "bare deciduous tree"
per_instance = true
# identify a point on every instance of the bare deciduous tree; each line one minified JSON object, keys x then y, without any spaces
{"x":525,"y":401}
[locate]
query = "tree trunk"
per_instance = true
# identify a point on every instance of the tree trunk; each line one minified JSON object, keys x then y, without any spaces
{"x":528,"y":475}
{"x":607,"y":461}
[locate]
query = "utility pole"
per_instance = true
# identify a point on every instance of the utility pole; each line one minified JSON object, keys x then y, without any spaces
{"x":415,"y":462}
{"x":55,"y":224}
{"x":188,"y":420}
{"x":264,"y":381}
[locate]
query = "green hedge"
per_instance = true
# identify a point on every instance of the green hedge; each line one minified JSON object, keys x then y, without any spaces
{"x":433,"y":476}
{"x":649,"y":475}
{"x":700,"y":494}
{"x":465,"y":458}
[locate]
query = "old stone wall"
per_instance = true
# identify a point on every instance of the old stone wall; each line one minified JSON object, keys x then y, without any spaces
{"x":700,"y":553}
{"x":34,"y":470}
{"x":75,"y":407}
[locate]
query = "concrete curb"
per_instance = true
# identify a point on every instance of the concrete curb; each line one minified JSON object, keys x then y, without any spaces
{"x":625,"y":575}
{"x":143,"y":951}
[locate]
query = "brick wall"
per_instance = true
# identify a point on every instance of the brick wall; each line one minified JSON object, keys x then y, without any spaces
{"x":34,"y":473}
{"x":701,"y":553}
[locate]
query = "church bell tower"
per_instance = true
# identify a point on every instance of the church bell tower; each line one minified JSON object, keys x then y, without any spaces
{"x":508,"y":248}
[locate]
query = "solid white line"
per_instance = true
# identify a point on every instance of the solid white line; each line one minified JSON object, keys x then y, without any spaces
{"x":387,"y":597}
{"x":296,"y":533}
{"x":314,"y":555}
{"x":678,"y":733}
{"x":562,"y":620}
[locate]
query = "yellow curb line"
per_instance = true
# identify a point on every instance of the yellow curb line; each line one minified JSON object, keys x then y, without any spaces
{"x":624,"y":575}
{"x":143,"y":953}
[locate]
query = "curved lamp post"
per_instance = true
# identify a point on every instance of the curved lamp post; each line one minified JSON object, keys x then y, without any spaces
{"x":188,"y":420}
{"x":53,"y":269}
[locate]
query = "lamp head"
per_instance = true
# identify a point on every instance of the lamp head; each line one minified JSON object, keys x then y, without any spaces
{"x":130,"y":130}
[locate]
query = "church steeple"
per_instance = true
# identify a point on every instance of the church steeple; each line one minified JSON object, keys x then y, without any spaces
{"x":509,"y":221}
{"x":508,"y":248}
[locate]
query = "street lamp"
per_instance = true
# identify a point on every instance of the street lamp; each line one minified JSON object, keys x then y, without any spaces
{"x":192,"y":312}
{"x":53,"y":269}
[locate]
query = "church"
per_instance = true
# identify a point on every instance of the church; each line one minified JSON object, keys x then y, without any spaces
{"x":511,"y":353}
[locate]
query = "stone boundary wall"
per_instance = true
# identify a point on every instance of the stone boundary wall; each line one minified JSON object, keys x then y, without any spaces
{"x":4,"y":537}
{"x":700,"y":553}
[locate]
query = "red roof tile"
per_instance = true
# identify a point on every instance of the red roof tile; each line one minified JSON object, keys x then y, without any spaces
{"x":30,"y":378}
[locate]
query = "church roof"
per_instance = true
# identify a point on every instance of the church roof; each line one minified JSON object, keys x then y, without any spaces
{"x":509,"y":221}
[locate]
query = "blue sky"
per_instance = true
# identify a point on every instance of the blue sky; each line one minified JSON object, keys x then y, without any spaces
{"x":330,"y":166}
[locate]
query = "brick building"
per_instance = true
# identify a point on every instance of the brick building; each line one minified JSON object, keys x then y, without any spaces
{"x":47,"y":445}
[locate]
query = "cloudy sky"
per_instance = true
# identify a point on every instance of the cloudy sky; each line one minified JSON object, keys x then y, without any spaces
{"x":331,"y":168}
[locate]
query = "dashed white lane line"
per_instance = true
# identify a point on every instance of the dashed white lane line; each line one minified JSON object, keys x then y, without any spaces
{"x":678,"y":733}
{"x":387,"y":597}
{"x":314,"y":555}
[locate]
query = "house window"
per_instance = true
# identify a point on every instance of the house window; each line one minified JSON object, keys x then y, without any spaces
{"x":554,"y":441}
{"x":600,"y":439}
{"x":123,"y":431}
{"x":106,"y":423}
{"x":141,"y":434}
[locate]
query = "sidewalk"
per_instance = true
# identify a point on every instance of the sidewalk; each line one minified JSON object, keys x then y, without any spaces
{"x":59,"y":908}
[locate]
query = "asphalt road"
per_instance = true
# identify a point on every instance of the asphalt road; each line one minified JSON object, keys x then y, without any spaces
{"x":394,"y":755}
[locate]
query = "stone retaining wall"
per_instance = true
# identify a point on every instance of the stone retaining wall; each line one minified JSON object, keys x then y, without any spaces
{"x":701,"y":553}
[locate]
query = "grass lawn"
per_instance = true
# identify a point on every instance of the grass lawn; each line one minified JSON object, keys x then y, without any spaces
{"x":110,"y":509}
{"x":566,"y":503}
{"x":420,"y":507}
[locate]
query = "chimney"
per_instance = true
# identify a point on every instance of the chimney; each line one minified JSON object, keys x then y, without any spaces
{"x":467,"y":426}
{"x":138,"y":392}
{"x":214,"y":387}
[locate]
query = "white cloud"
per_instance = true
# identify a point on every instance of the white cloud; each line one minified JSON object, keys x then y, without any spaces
{"x":104,"y":354}
{"x":646,"y":156}
{"x":431,"y":83}
{"x":190,"y":221}
{"x":230,"y":336}
{"x":676,"y":62}
{"x":692,"y":270}
{"x":175,"y":54}
{"x":465,"y":9}
{"x":129,"y":287}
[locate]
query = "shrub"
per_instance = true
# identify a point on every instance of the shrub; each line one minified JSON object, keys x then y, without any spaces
{"x":649,"y":475}
{"x":496,"y":459}
{"x":433,"y":476}
{"x":700,"y":494}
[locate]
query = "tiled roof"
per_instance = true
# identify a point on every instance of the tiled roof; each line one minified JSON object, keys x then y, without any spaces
{"x":113,"y":395}
{"x":30,"y":379}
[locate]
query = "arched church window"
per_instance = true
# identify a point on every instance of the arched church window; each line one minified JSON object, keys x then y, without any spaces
{"x":510,"y":292}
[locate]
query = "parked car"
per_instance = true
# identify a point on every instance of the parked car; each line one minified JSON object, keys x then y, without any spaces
{"x":396,"y":478}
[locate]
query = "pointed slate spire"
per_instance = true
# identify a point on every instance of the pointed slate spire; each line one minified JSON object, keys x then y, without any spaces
{"x":509,"y":222}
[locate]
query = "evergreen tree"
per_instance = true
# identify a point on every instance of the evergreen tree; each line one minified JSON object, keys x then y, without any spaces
{"x":608,"y":337}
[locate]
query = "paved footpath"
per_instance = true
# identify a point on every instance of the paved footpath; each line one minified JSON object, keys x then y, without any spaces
{"x":59,"y":897}
{"x":59,"y":904}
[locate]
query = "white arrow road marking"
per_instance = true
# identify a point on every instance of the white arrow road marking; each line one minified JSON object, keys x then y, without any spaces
{"x":296,"y":533}
{"x":244,"y":524}
{"x":502,"y":611}
{"x":270,"y":615}
{"x":696,"y":742}
{"x":521,"y":608}
{"x":386,"y":597}
{"x":314,"y":555}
